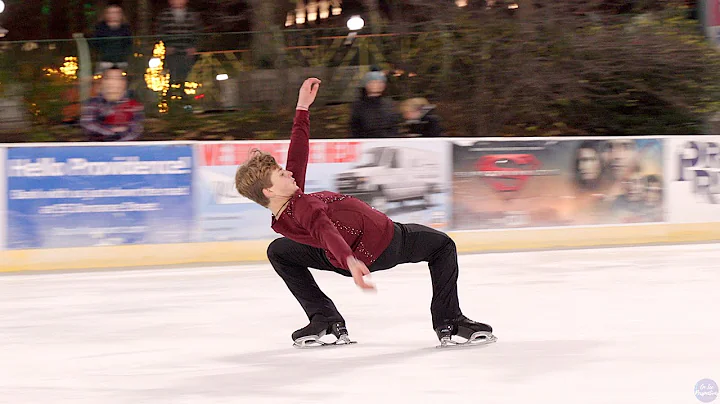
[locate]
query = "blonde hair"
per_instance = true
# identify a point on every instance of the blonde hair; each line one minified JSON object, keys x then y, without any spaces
{"x":255,"y":175}
{"x":413,"y":104}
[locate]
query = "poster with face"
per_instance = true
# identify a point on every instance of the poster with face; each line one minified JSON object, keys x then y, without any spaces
{"x":538,"y":183}
{"x":625,"y":175}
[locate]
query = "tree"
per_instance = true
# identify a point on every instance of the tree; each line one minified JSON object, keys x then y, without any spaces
{"x":570,"y":66}
{"x":227,"y":15}
{"x":144,"y":18}
{"x":266,"y":20}
{"x":373,"y":8}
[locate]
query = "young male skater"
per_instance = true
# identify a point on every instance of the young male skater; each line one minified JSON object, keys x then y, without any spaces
{"x":335,"y":232}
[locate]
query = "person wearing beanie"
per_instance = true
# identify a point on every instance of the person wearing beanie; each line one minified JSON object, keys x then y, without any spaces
{"x":373,"y":115}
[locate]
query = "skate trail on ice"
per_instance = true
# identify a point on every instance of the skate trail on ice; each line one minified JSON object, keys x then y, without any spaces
{"x":621,"y":325}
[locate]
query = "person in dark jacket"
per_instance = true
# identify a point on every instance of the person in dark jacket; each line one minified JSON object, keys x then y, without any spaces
{"x":179,"y":27}
{"x":334,"y":232}
{"x":373,"y":115}
{"x":420,"y":119}
{"x":112,"y":40}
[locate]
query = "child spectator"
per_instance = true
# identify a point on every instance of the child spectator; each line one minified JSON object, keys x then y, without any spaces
{"x":112,"y":115}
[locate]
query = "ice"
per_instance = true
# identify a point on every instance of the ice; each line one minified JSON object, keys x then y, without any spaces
{"x":621,"y":325}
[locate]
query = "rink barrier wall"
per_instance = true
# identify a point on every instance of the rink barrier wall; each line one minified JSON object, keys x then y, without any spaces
{"x":240,"y":252}
{"x":3,"y":201}
{"x":690,"y":205}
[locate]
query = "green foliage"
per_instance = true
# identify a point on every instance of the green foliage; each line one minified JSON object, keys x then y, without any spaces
{"x":628,"y":74}
{"x":569,"y":67}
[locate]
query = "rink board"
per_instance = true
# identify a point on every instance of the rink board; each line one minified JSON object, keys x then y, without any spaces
{"x":488,"y":194}
{"x":255,"y":250}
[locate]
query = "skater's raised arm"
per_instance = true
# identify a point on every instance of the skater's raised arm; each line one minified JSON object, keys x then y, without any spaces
{"x":299,"y":149}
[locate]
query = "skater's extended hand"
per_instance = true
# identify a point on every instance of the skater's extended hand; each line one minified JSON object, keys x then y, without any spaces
{"x":308,"y":92}
{"x":359,"y":271}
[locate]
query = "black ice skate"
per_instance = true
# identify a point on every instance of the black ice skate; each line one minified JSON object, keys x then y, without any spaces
{"x":473,"y":332}
{"x":310,"y":335}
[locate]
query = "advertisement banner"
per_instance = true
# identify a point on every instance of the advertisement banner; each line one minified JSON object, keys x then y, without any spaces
{"x":693,"y":179}
{"x":538,"y":183}
{"x":409,"y":181}
{"x":90,"y":196}
{"x":3,"y":208}
{"x":710,"y":17}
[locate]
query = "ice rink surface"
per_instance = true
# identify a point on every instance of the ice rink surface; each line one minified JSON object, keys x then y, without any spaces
{"x":623,"y":325}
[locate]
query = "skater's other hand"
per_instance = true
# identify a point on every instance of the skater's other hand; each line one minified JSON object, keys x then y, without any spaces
{"x":308,"y":92}
{"x":359,"y":271}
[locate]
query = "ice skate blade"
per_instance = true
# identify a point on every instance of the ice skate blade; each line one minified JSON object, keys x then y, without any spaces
{"x":313,"y":341}
{"x":478,"y":338}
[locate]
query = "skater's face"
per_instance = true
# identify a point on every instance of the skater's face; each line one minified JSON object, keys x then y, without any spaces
{"x":283,"y":183}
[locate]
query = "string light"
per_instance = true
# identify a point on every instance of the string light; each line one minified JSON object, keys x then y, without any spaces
{"x":68,"y":70}
{"x":314,"y":10}
{"x":324,"y":9}
{"x":191,"y":87}
{"x":154,"y":79}
{"x":336,"y":9}
{"x":300,"y":12}
{"x":70,"y":67}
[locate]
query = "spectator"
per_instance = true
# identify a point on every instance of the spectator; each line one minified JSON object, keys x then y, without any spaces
{"x":420,"y":119}
{"x":112,"y":115}
{"x":373,"y":115}
{"x":179,"y":26}
{"x":112,"y":40}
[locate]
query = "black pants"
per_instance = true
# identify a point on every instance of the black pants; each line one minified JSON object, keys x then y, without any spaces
{"x":411,"y":243}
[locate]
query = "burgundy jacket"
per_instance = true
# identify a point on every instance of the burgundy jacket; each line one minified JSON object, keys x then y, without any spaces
{"x":339,"y":224}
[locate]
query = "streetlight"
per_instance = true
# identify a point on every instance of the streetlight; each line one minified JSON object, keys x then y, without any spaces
{"x":355,"y":23}
{"x":3,"y":31}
